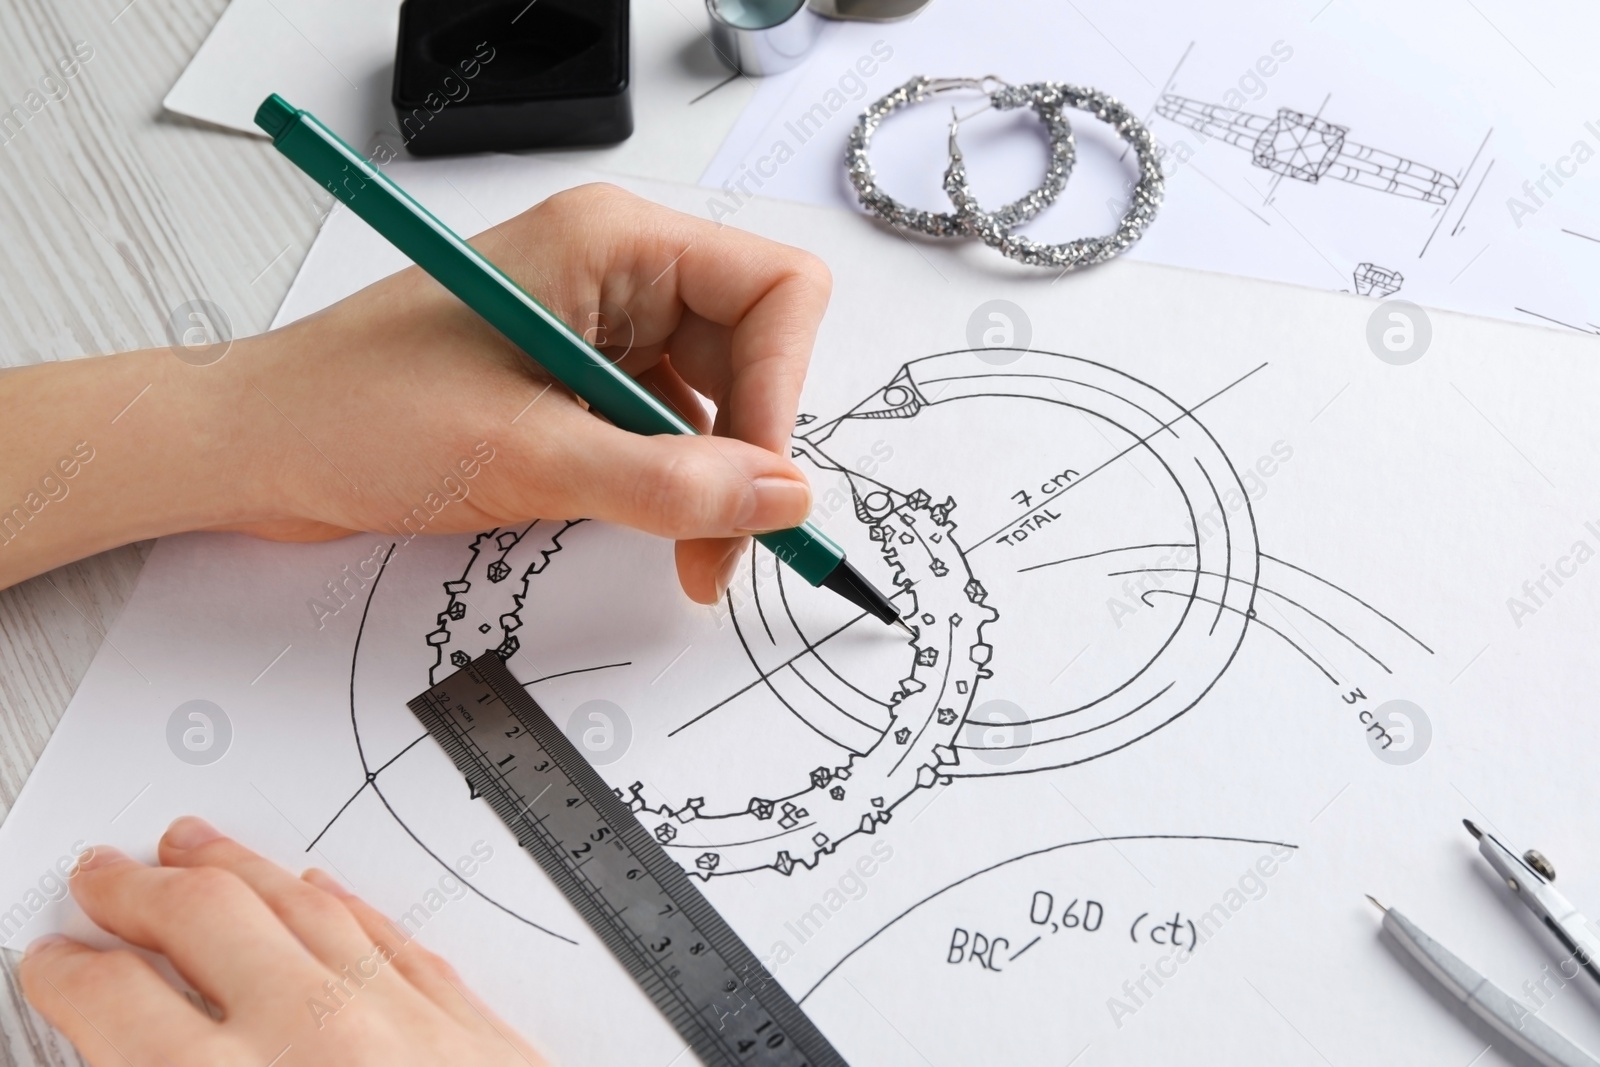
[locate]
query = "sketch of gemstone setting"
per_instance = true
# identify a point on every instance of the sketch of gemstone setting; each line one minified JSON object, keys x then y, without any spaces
{"x":1172,"y":526}
{"x":923,"y":730}
{"x":1308,"y":148}
{"x":1373,"y":280}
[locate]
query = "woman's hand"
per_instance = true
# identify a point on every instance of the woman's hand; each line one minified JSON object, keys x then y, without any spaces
{"x":398,"y":409}
{"x":264,"y":947}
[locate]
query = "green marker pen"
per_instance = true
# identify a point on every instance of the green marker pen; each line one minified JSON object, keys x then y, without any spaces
{"x":528,"y":324}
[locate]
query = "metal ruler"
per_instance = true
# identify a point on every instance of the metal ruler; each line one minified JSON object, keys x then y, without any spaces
{"x":707,"y":983}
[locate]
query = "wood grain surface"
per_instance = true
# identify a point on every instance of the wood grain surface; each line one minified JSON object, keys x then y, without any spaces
{"x":112,"y":214}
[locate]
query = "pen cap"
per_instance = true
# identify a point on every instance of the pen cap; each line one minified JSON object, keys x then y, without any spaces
{"x":274,"y":115}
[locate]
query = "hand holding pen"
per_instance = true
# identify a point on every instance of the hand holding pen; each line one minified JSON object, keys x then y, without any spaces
{"x":370,"y":415}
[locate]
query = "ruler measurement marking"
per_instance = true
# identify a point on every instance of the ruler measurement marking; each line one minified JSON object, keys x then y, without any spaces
{"x":638,"y":945}
{"x":725,"y":972}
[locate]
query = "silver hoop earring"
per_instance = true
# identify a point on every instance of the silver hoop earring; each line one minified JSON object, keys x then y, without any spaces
{"x":1002,"y":97}
{"x":1084,"y":251}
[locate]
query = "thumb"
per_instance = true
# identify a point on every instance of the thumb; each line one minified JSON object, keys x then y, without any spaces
{"x":683,"y":487}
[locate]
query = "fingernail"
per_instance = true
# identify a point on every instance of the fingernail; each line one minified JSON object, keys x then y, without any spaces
{"x":98,"y":856}
{"x":191,"y":832}
{"x":42,"y":943}
{"x":774,"y":503}
{"x":729,"y":567}
{"x":325,"y":882}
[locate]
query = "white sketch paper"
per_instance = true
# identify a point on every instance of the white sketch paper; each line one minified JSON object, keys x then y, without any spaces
{"x":1453,"y":146}
{"x":1215,"y":634}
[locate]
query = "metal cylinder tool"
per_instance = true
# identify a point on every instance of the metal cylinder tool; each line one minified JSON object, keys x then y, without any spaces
{"x":759,"y":37}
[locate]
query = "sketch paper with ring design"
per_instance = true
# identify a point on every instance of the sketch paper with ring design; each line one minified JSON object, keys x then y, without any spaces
{"x":1213,"y":636}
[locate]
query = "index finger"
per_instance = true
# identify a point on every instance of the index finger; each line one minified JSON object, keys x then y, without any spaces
{"x":217,"y":932}
{"x":737,"y":313}
{"x":770,"y":298}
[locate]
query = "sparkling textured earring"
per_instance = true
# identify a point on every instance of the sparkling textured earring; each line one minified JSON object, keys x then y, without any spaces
{"x":1084,"y":251}
{"x":1041,"y":97}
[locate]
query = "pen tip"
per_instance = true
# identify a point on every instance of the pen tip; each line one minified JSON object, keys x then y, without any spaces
{"x":1375,"y":904}
{"x":1472,"y":829}
{"x":909,"y":631}
{"x":849,"y":583}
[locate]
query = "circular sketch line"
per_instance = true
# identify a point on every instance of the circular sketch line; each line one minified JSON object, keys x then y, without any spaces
{"x":886,"y":718}
{"x":371,"y":776}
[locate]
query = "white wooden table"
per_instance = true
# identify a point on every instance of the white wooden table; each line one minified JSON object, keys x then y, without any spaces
{"x":112,"y":213}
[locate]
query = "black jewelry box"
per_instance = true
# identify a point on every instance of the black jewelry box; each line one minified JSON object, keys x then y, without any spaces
{"x":491,"y":76}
